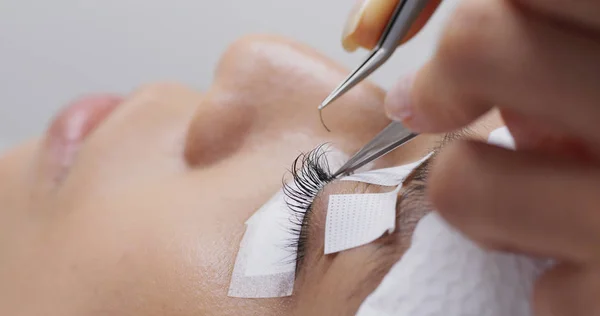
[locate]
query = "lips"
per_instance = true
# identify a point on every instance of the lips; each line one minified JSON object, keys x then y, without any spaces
{"x":71,"y":127}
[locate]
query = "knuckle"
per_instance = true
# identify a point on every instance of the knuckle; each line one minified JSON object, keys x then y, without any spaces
{"x":464,"y":108}
{"x":459,"y":189}
{"x":449,"y":180}
{"x":464,"y":60}
{"x":467,"y":37}
{"x":542,"y":295}
{"x":446,"y":103}
{"x":554,"y":291}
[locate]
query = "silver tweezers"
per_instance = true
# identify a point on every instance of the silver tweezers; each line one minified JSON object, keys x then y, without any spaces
{"x":395,"y":134}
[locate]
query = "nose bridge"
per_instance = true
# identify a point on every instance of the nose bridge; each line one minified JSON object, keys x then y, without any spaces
{"x":267,"y":86}
{"x":262,"y":86}
{"x":277,"y":78}
{"x":286,"y":81}
{"x":217,"y":130}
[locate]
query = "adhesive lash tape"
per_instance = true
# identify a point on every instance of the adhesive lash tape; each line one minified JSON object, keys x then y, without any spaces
{"x":354,"y":220}
{"x":265,"y":267}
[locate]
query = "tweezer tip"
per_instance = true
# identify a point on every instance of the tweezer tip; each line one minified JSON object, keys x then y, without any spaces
{"x":336,"y":175}
{"x":339,"y":174}
{"x":323,"y":104}
{"x":328,"y":100}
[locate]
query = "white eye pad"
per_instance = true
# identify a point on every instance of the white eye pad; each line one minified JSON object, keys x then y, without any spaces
{"x":265,"y":267}
{"x":355,"y":220}
{"x":358,"y":219}
{"x":389,"y":177}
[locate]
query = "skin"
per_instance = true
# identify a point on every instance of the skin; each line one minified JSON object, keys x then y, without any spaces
{"x":536,"y":61}
{"x":135,"y":205}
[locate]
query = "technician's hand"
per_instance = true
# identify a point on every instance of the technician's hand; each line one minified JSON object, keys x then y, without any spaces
{"x":538,"y":61}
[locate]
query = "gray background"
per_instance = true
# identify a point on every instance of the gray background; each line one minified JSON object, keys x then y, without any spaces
{"x":54,"y":50}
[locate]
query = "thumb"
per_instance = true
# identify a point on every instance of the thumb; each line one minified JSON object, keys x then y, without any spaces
{"x":369,"y":18}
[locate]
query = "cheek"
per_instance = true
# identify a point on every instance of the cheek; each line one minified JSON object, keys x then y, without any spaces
{"x":173,"y":252}
{"x":135,"y":255}
{"x":349,"y":279}
{"x":15,"y":174}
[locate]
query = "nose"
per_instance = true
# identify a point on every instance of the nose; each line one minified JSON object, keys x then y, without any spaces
{"x":218,"y":129}
{"x":266,"y":86}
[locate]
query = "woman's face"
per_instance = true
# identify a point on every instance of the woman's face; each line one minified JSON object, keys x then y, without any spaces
{"x":136,"y":205}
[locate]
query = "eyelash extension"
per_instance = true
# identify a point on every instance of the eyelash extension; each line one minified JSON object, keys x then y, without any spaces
{"x":310,"y":173}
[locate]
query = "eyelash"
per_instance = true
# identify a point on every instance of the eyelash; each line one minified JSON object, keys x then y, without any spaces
{"x":310,"y":173}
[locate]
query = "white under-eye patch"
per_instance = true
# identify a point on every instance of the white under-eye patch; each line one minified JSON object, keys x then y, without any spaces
{"x":263,"y":267}
{"x":358,"y":219}
{"x":389,"y":177}
{"x":354,"y":220}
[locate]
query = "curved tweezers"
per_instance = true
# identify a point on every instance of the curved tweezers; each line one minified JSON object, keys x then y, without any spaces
{"x":400,"y":23}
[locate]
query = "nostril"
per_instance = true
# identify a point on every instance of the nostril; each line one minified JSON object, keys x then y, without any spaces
{"x":217,"y":131}
{"x":71,"y":127}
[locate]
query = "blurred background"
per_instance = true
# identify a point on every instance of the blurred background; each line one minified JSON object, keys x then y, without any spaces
{"x":52,"y":51}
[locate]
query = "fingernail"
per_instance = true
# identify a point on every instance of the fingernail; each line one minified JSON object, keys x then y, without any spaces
{"x":348,"y":41}
{"x":398,"y":103}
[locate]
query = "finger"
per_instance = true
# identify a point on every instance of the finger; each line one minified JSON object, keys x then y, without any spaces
{"x":567,"y":290}
{"x":532,"y":134}
{"x":369,"y":18}
{"x":494,"y":54}
{"x":519,"y":201}
{"x":581,"y":14}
